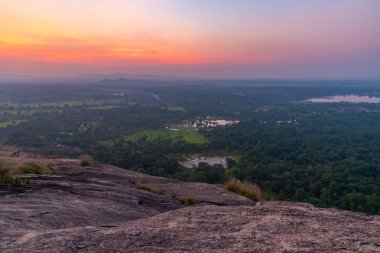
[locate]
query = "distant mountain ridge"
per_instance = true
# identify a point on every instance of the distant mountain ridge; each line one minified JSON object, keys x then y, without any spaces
{"x":131,"y":77}
{"x":88,"y":78}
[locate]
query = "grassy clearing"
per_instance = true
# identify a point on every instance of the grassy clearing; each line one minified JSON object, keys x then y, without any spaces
{"x":107,"y":144}
{"x":246,"y":189}
{"x":13,"y":112}
{"x":103,"y":107}
{"x":191,"y":137}
{"x":11,"y":123}
{"x":27,"y":112}
{"x":62,"y":104}
{"x":263,"y":109}
{"x":176,"y":108}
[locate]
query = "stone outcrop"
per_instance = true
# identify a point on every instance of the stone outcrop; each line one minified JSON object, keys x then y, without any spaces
{"x":100,"y":209}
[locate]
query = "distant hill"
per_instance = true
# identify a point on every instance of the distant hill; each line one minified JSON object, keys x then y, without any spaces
{"x":99,"y":77}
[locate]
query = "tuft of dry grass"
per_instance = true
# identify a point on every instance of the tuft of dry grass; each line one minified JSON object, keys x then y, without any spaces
{"x":14,"y":163}
{"x":4,"y":171}
{"x":22,"y":165}
{"x":85,"y":160}
{"x":147,"y":187}
{"x":232,"y":184}
{"x":187,"y":200}
{"x":32,"y":168}
{"x":17,"y":162}
{"x":246,"y":189}
{"x":6,"y":179}
{"x":7,"y":151}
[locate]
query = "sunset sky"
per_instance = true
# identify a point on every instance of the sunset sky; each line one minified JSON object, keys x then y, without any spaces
{"x":191,"y":38}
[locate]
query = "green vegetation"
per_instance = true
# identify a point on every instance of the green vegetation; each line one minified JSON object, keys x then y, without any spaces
{"x":324,"y":154}
{"x":176,"y":108}
{"x":103,"y":107}
{"x":28,"y":112}
{"x":13,"y":112}
{"x":189,"y":136}
{"x":11,"y":123}
{"x":147,"y":187}
{"x":108,"y":143}
{"x":60,"y":104}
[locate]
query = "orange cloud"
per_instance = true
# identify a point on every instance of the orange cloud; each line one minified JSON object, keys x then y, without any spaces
{"x":96,"y":53}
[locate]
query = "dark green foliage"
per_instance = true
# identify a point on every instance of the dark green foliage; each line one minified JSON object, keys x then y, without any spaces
{"x":327,"y":155}
{"x":324,"y":160}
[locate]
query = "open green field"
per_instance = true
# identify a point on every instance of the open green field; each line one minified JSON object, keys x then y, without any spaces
{"x":191,"y":137}
{"x":62,"y":104}
{"x":108,"y":143}
{"x":103,"y":107}
{"x":10,"y":123}
{"x":59,"y":105}
{"x":28,"y":112}
{"x":176,"y":108}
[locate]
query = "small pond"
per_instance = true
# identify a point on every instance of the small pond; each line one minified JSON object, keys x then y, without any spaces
{"x":193,"y":162}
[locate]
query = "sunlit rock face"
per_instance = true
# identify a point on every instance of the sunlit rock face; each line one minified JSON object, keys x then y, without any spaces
{"x":100,"y":209}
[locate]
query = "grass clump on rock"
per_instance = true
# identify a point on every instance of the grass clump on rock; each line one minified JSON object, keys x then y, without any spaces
{"x":147,"y":187}
{"x":187,"y":200}
{"x":6,"y":179}
{"x":246,"y":189}
{"x":32,"y":168}
{"x":85,"y":160}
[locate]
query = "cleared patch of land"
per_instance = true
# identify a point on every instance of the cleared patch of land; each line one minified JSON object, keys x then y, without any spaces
{"x":10,"y":123}
{"x":189,"y":136}
{"x":176,"y":108}
{"x":61,"y":104}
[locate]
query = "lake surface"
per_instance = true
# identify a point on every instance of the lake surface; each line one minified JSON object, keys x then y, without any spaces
{"x":346,"y":99}
{"x":209,"y":160}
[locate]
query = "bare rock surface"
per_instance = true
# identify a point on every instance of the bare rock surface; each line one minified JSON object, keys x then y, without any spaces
{"x":99,"y":209}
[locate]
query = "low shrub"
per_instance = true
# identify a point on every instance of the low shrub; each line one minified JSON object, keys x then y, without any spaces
{"x":85,"y":160}
{"x":246,"y":189}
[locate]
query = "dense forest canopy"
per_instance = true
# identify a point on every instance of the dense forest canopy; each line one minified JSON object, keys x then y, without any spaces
{"x":327,"y":154}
